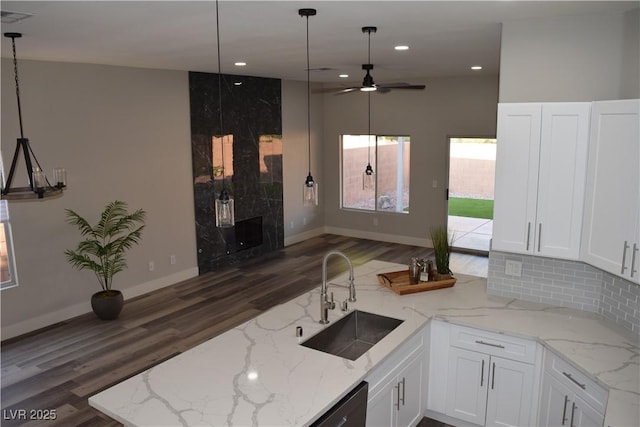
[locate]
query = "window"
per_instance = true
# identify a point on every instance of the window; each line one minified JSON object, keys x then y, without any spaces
{"x":390,"y":160}
{"x":7,"y":261}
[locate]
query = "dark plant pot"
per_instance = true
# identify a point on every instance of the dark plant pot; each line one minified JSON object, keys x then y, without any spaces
{"x":107,"y":305}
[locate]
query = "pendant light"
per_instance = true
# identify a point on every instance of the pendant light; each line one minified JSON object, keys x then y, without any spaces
{"x":39,"y":186}
{"x":225,"y":216}
{"x":368,"y":85}
{"x":369,"y":176}
{"x":310,"y":187}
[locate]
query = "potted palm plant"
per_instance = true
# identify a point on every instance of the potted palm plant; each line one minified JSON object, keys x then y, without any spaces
{"x":102,"y":251}
{"x":442,"y":251}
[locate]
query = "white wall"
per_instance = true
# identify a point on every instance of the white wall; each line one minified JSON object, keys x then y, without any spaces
{"x":575,"y":58}
{"x":463,"y":106}
{"x":301,"y":222}
{"x":121,"y":133}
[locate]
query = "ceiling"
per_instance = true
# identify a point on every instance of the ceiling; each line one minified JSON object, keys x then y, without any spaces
{"x":445,"y":37}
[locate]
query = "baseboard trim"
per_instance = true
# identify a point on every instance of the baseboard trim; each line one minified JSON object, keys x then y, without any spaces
{"x":381,"y":237}
{"x":305,"y":235}
{"x":69,"y":312}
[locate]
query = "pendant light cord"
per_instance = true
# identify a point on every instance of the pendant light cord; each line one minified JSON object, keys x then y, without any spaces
{"x":369,"y":106}
{"x":308,"y":98}
{"x":220,"y":92}
{"x":15,"y":70}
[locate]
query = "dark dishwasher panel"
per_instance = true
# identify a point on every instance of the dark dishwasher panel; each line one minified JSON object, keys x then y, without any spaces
{"x":350,"y":411}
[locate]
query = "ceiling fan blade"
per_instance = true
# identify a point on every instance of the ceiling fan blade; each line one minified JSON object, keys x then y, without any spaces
{"x":400,"y":86}
{"x":336,"y":90}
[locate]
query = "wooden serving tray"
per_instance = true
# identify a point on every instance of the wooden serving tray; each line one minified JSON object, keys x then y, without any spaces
{"x":400,"y":283}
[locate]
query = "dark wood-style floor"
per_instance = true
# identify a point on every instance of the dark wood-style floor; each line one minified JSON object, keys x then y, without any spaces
{"x":61,"y":366}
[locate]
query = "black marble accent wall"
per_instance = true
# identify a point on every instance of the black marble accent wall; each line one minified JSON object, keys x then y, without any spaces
{"x":252,"y":163}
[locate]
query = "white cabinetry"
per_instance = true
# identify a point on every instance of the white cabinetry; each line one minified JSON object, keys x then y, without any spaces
{"x":540,"y":178}
{"x":611,"y":235}
{"x":569,"y":398}
{"x":486,"y":385}
{"x":397,"y":389}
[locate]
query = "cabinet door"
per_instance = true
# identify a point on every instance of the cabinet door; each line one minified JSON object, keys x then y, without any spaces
{"x":411,"y":380}
{"x":613,"y":192}
{"x":583,"y":415}
{"x":467,"y":388}
{"x":510,"y":393}
{"x":561,"y":183}
{"x":555,"y":402}
{"x":517,"y":158}
{"x":382,"y":406}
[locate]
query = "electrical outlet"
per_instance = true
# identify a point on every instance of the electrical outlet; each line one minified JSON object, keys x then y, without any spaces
{"x":375,"y":221}
{"x":172,"y":260}
{"x":291,"y":224}
{"x":304,"y":220}
{"x":513,"y":268}
{"x":152,"y":265}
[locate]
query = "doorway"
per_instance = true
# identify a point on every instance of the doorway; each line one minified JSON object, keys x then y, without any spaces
{"x":471,"y":192}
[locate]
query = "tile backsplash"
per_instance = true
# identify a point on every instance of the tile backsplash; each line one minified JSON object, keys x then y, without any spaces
{"x":568,"y":284}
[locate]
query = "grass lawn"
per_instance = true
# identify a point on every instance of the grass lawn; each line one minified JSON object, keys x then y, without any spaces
{"x":473,"y":208}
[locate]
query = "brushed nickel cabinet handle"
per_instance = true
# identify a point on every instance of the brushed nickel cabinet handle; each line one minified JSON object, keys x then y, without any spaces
{"x":528,"y":234}
{"x":633,"y":259}
{"x":582,"y":386}
{"x":564,"y":409}
{"x":489,"y":344}
{"x":539,"y":236}
{"x":493,"y":375}
{"x":624,"y":257}
{"x":404,"y":385}
{"x":482,"y":374}
{"x":573,"y":412}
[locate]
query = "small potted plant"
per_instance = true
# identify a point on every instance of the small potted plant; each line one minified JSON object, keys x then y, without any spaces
{"x":442,"y":251}
{"x":102,"y":251}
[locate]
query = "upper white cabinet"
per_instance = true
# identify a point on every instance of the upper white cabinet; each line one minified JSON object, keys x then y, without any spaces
{"x":540,"y":178}
{"x":611,"y":231}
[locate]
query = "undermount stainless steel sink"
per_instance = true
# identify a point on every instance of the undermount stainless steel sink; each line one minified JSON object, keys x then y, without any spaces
{"x":353,"y":335}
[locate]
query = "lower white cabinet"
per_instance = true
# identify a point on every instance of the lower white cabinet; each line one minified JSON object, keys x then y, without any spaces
{"x":569,"y":398}
{"x":398,"y":401}
{"x":489,"y":390}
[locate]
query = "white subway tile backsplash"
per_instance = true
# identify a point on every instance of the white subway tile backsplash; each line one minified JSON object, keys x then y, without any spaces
{"x":567,"y":284}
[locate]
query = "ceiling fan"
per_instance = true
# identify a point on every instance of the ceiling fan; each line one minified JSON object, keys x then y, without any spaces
{"x":368,"y":84}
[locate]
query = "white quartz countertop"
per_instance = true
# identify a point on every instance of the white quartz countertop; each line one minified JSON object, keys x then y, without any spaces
{"x":257,"y":373}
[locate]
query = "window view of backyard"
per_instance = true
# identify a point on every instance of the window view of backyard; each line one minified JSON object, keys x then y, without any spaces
{"x":471,"y":192}
{"x":389,"y":158}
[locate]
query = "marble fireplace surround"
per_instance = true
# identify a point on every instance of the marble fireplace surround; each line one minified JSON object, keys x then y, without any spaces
{"x":252,"y":114}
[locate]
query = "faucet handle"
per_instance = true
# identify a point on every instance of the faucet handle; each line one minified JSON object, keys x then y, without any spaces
{"x":332,"y":304}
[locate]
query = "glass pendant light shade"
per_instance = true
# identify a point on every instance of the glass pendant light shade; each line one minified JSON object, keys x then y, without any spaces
{"x":310,"y":192}
{"x":60,"y":177}
{"x":224,"y":211}
{"x":368,"y":178}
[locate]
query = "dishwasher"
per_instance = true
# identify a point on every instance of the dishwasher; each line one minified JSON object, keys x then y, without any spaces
{"x":350,"y":411}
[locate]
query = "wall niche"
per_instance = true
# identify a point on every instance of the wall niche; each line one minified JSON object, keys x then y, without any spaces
{"x":252,"y":165}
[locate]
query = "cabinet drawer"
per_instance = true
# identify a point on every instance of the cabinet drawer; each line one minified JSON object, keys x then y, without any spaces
{"x":493,"y":343}
{"x":583,"y":386}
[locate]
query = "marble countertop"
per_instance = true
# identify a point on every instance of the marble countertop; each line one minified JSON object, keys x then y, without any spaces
{"x":258,"y":374}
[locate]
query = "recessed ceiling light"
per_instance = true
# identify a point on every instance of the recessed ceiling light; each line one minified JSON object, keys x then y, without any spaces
{"x":343,"y":76}
{"x":240,"y":64}
{"x":401,"y":47}
{"x":476,"y":67}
